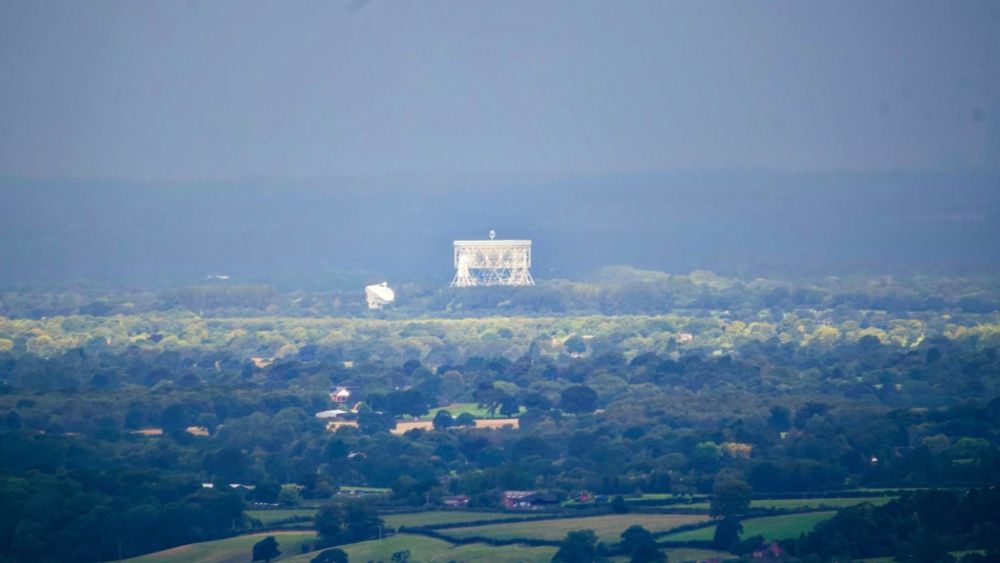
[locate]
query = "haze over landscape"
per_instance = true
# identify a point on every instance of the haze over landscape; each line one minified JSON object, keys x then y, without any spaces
{"x":501,"y":282}
{"x":158,"y":139}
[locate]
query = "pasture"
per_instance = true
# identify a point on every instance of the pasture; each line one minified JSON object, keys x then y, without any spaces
{"x":608,"y":528}
{"x":266,"y":517}
{"x":229,"y":550}
{"x":837,"y":503}
{"x":404,"y":426}
{"x":434,"y":517}
{"x":685,"y":554}
{"x":458,"y":408}
{"x":430,"y":550}
{"x":771,"y":527}
{"x":394,"y":521}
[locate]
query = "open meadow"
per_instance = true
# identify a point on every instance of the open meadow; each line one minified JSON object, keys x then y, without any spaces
{"x":780,"y":527}
{"x":429,"y":550}
{"x":404,"y":426}
{"x":792,"y":504}
{"x":608,"y":528}
{"x":434,"y":517}
{"x":229,"y":550}
{"x":267,"y":517}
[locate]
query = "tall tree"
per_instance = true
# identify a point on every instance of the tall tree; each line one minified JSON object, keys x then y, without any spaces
{"x":579,"y":546}
{"x":443,"y":420}
{"x":727,"y":533}
{"x":329,"y":524}
{"x":578,"y":399}
{"x":731,"y":497}
{"x":266,"y":549}
{"x":333,"y":555}
{"x":346,"y":523}
{"x":640,"y":545}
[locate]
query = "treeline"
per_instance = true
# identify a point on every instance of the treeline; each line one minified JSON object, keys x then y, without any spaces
{"x":920,"y":526}
{"x":103,"y":415}
{"x":441,"y":341}
{"x":619,"y":290}
{"x":786,"y":418}
{"x":103,"y":515}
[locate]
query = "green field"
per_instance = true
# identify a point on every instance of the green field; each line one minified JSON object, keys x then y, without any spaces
{"x":684,"y":554}
{"x":433,"y":517}
{"x":430,"y":550}
{"x":654,"y":496}
{"x":771,"y":527}
{"x":393,"y":521}
{"x":229,"y":550}
{"x":458,"y":408}
{"x":268,"y":516}
{"x":801,"y":503}
{"x":608,"y":528}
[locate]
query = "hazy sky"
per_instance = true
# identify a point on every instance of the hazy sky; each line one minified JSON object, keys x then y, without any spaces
{"x":227,"y":90}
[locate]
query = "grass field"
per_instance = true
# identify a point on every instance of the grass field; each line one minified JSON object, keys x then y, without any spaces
{"x":429,"y":550}
{"x":801,"y":503}
{"x":444,"y":517}
{"x":458,"y":408}
{"x":404,"y":426}
{"x":771,"y":527}
{"x":393,"y":521}
{"x":654,"y":496}
{"x":608,"y":528}
{"x":681,"y":555}
{"x":229,"y":550}
{"x":268,"y":516}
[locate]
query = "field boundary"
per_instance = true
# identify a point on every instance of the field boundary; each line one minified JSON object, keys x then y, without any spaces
{"x":533,"y":542}
{"x":508,"y":520}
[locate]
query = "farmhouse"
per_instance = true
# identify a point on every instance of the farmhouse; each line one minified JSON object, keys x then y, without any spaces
{"x":331,"y":414}
{"x":772,"y":551}
{"x":458,"y":501}
{"x":340,"y":395}
{"x":521,"y":500}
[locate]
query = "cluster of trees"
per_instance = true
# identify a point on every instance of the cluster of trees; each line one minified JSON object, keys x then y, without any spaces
{"x":920,"y":526}
{"x":91,"y":515}
{"x":348,"y":522}
{"x":440,"y":341}
{"x":788,"y":418}
{"x":582,"y":546}
{"x":610,"y":291}
{"x":762,"y":399}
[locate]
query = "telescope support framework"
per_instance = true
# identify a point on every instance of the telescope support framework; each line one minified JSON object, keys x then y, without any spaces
{"x":492,"y":262}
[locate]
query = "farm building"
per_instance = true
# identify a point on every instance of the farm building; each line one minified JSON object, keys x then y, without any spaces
{"x":520,"y":500}
{"x":340,"y":394}
{"x":331,"y":414}
{"x":458,"y":501}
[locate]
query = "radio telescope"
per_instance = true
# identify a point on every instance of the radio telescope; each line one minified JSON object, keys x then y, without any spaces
{"x":492,"y":262}
{"x":379,"y":295}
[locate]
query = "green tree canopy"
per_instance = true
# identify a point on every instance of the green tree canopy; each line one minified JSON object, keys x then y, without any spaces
{"x":727,"y":533}
{"x":333,"y":555}
{"x":640,"y":545}
{"x":579,"y":546}
{"x":578,"y":399}
{"x":266,"y":549}
{"x":731,"y":497}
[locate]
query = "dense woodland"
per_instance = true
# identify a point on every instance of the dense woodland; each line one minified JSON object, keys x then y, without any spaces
{"x":632,"y":382}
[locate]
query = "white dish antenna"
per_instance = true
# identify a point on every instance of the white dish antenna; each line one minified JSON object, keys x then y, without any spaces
{"x":379,"y":295}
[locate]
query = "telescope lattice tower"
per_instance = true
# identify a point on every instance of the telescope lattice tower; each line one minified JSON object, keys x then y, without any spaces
{"x":492,"y":262}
